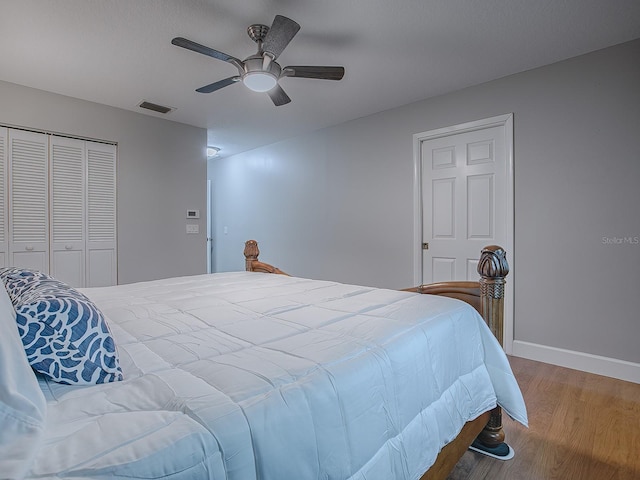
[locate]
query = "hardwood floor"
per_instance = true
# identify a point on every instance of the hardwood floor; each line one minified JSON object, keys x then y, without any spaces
{"x":581,"y":426}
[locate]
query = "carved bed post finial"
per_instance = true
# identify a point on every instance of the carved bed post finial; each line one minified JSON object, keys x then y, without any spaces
{"x":251,"y":253}
{"x":493,"y":268}
{"x":252,"y":264}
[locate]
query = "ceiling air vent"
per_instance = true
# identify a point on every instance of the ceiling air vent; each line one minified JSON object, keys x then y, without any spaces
{"x":155,"y":107}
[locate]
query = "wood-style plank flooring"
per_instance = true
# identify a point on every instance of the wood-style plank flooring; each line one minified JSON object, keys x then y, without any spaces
{"x":581,"y":426}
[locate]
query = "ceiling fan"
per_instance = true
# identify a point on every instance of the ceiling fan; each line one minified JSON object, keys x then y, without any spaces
{"x":261,"y":72}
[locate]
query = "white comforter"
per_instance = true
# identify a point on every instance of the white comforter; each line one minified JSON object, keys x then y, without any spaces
{"x":245,"y":376}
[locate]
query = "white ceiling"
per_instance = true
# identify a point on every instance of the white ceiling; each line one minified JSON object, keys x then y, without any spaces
{"x":118,"y":53}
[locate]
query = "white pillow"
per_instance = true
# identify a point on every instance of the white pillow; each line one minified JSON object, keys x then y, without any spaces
{"x":22,"y":403}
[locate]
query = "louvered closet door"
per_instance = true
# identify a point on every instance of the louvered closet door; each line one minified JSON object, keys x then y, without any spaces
{"x":101,"y":215}
{"x":67,"y":197}
{"x":4,"y":244}
{"x":28,"y":200}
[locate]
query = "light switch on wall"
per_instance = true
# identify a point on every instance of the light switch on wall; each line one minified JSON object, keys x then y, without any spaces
{"x":193,"y":228}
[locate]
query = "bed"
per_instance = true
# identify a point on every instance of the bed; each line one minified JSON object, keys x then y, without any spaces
{"x":251,"y":375}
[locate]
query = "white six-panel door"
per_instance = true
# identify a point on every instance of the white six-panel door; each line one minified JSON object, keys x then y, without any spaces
{"x":463,"y":189}
{"x":464,"y":201}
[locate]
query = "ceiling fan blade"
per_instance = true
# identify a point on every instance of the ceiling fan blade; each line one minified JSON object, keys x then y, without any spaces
{"x":282,"y":30}
{"x":196,"y":47}
{"x":302,"y":71}
{"x":278,"y":96}
{"x":212,"y":87}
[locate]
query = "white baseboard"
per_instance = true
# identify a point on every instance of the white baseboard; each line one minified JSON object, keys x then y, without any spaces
{"x":585,"y":362}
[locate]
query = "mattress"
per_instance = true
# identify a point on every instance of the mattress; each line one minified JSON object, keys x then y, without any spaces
{"x":245,"y":376}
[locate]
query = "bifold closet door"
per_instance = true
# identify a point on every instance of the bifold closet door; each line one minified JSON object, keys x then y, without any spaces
{"x":58,"y":206}
{"x":67,"y":200}
{"x":101,"y":215}
{"x":28,"y":200}
{"x":4,"y":244}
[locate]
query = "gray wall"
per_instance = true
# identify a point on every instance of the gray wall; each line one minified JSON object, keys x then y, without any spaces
{"x":338,"y":203}
{"x":161,"y":173}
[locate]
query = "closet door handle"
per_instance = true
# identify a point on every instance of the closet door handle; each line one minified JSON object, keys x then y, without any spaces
{"x":29,"y":248}
{"x":68,"y":247}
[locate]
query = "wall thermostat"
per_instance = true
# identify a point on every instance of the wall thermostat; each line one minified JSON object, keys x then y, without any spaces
{"x":193,"y":213}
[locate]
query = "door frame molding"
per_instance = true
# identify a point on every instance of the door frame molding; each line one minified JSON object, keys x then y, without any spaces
{"x":506,"y":122}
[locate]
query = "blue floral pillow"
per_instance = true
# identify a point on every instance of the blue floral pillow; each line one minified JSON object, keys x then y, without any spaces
{"x":64,"y":334}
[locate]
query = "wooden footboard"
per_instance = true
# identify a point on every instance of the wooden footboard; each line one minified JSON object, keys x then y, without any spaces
{"x":487,"y":297}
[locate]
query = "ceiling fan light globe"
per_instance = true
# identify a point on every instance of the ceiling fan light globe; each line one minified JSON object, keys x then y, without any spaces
{"x":259,"y":81}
